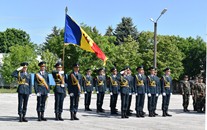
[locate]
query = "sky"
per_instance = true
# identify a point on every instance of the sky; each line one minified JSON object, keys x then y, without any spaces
{"x":37,"y":17}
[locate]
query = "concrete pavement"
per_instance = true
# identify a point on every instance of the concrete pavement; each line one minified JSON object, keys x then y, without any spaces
{"x":94,"y":121}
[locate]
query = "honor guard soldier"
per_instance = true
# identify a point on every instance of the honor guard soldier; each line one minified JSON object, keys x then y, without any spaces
{"x":158,"y":91}
{"x":194,"y":94}
{"x":166,"y":89}
{"x":124,"y":90}
{"x":74,"y":89}
{"x":88,"y":89}
{"x":24,"y":89}
{"x":114,"y":90}
{"x":152,"y":91}
{"x":201,"y":95}
{"x":185,"y":91}
{"x":41,"y":87}
{"x":140,"y":90}
{"x":131,"y":88}
{"x":100,"y":89}
{"x":59,"y":90}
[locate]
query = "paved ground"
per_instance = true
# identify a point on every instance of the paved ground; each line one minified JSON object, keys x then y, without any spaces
{"x":91,"y":120}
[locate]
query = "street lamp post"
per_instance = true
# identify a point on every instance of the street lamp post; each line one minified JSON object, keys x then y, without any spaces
{"x":155,"y":37}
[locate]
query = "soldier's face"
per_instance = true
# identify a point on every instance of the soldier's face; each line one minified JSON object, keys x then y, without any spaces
{"x":186,"y":79}
{"x":88,"y":72}
{"x":140,"y":71}
{"x":114,"y":72}
{"x":101,"y":72}
{"x":128,"y":71}
{"x":152,"y":72}
{"x":200,"y":80}
{"x":76,"y":69}
{"x":24,"y":69}
{"x":167,"y":72}
{"x":42,"y":68}
{"x":59,"y":68}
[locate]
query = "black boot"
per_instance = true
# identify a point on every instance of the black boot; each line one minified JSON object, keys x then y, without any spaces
{"x":42,"y":117}
{"x":164,"y":114}
{"x":75,"y":117}
{"x":125,"y":114}
{"x":24,"y":119}
{"x":56,"y":116}
{"x":141,"y":114}
{"x":20,"y":117}
{"x":72,"y":116}
{"x":39,"y":116}
{"x":138,"y":114}
{"x":155,"y":113}
{"x":150,"y":114}
{"x":60,"y":117}
{"x":168,"y":114}
{"x":122,"y":114}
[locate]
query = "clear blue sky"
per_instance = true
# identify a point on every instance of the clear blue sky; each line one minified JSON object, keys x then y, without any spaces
{"x":37,"y":17}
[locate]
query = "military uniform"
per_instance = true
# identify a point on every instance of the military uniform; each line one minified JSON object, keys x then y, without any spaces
{"x":114,"y":91}
{"x":74,"y":89}
{"x":24,"y":90}
{"x":201,"y":95}
{"x":41,"y":87}
{"x":59,"y":91}
{"x":194,"y":94}
{"x":88,"y":89}
{"x":140,"y":90}
{"x":185,"y":91}
{"x":100,"y":90}
{"x":166,"y":89}
{"x":158,"y":92}
{"x":152,"y":92}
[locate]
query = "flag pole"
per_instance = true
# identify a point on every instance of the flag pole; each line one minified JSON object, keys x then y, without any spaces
{"x":66,"y":10}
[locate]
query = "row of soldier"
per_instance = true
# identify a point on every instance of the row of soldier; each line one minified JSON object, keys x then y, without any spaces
{"x":123,"y":83}
{"x":198,"y":91}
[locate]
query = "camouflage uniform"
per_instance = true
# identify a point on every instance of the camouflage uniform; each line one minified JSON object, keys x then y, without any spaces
{"x":185,"y":91}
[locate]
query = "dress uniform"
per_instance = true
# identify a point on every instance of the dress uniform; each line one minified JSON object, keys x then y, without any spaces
{"x":158,"y":91}
{"x":74,"y":89}
{"x":140,"y":90}
{"x":100,"y":89}
{"x":185,"y":91}
{"x":166,"y":89}
{"x":24,"y":89}
{"x":152,"y":91}
{"x":59,"y":90}
{"x":114,"y":90}
{"x":124,"y":90}
{"x":41,"y":87}
{"x":88,"y":89}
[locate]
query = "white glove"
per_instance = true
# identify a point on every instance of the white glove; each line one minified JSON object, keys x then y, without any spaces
{"x":61,"y":72}
{"x":157,"y":95}
{"x":97,"y":92}
{"x":136,"y":94}
{"x":111,"y":93}
{"x":149,"y":94}
{"x":71,"y":94}
{"x":133,"y":93}
{"x":62,"y":85}
{"x":85,"y":92}
{"x":170,"y":93}
{"x":38,"y":94}
{"x":48,"y":94}
{"x":164,"y":94}
{"x":130,"y":93}
{"x":20,"y":68}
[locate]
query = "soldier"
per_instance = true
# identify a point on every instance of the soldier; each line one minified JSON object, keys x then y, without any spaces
{"x":194,"y":96}
{"x":185,"y":91}
{"x":41,"y":86}
{"x":140,"y":90}
{"x":166,"y":89}
{"x":59,"y":90}
{"x":74,"y":89}
{"x":201,"y":95}
{"x":124,"y":90}
{"x":152,"y":91}
{"x":24,"y":89}
{"x":158,"y":91}
{"x":100,"y":90}
{"x":114,"y":90}
{"x":88,"y":89}
{"x":131,"y":89}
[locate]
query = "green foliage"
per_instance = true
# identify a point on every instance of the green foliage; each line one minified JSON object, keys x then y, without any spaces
{"x":17,"y":55}
{"x":12,"y":37}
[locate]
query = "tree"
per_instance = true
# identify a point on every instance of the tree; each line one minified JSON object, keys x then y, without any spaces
{"x":17,"y":55}
{"x":124,"y":29}
{"x":12,"y":37}
{"x":109,"y":31}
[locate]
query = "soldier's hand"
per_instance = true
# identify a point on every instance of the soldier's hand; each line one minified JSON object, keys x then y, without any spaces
{"x":71,"y":94}
{"x":136,"y":94}
{"x":85,"y":92}
{"x":62,"y":85}
{"x":111,"y":93}
{"x":157,"y":95}
{"x":130,"y":93}
{"x":20,"y":68}
{"x":149,"y":94}
{"x":97,"y":92}
{"x":48,"y":94}
{"x":38,"y":94}
{"x":164,"y":94}
{"x":61,"y":72}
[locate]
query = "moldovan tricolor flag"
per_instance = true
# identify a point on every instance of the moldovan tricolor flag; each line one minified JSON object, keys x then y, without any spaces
{"x":74,"y":34}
